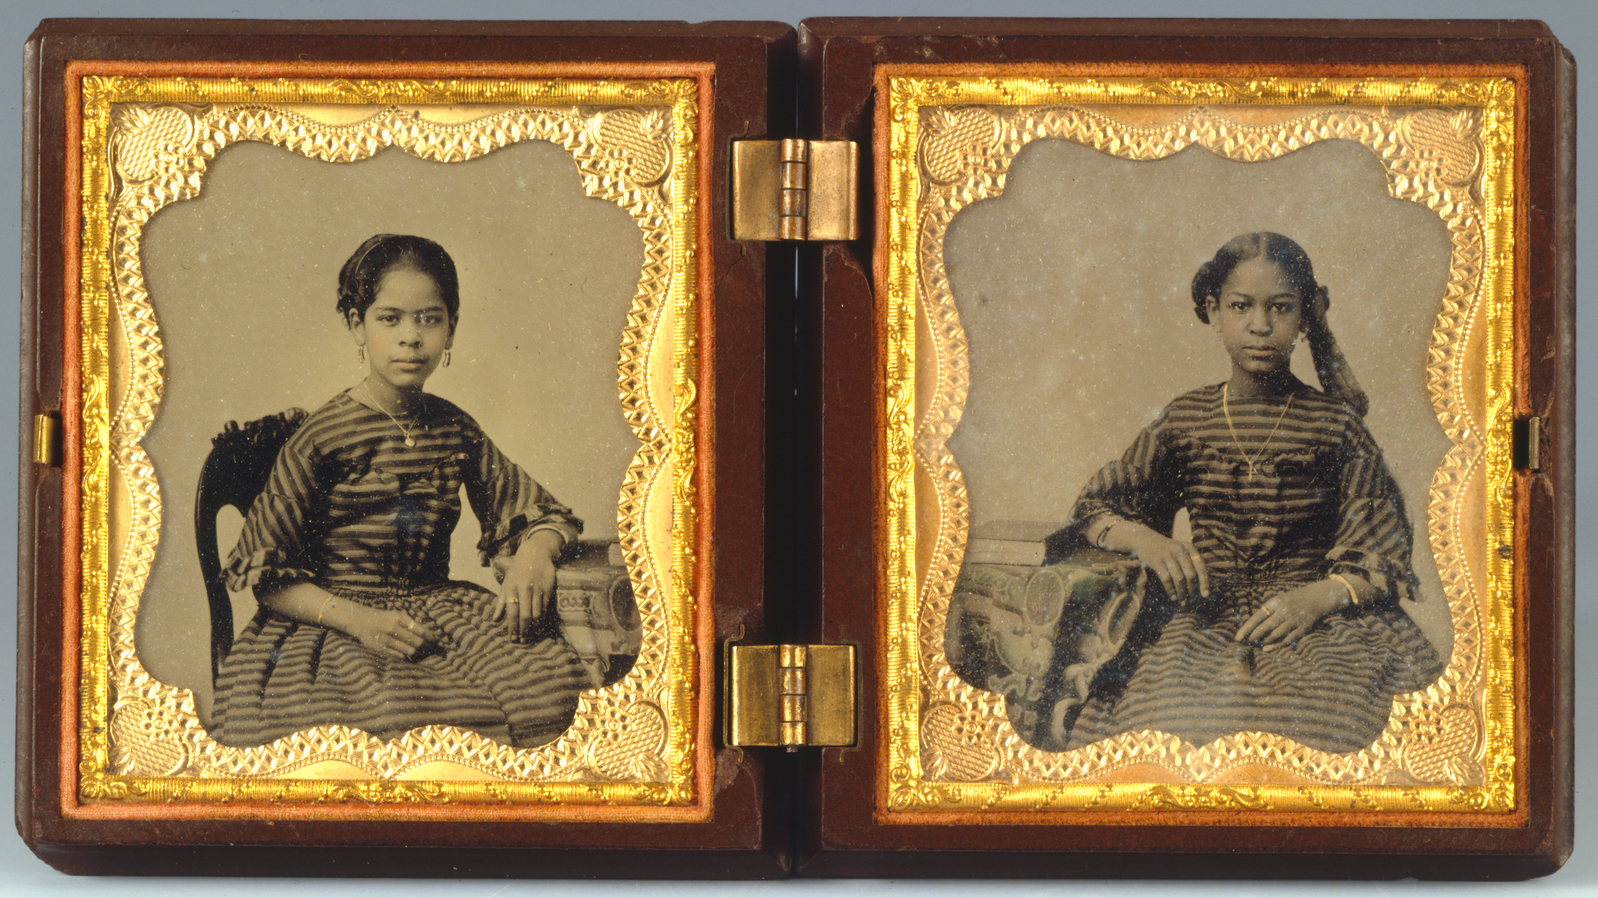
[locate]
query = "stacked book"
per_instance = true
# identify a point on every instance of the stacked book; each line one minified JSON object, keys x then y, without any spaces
{"x":1030,"y":543}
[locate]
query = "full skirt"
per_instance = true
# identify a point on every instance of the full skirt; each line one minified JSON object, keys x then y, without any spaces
{"x":283,"y":676}
{"x":1331,"y":690}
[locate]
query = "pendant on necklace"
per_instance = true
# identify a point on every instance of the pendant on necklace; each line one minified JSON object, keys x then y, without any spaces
{"x":411,"y":442}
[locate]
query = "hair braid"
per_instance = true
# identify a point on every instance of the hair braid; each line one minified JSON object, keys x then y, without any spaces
{"x":1336,"y":377}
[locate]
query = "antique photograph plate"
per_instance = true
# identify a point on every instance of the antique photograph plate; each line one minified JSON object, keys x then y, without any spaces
{"x":156,"y":140}
{"x":1038,"y":324}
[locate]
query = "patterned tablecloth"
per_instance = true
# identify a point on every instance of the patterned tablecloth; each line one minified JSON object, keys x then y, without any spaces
{"x":1041,"y":636}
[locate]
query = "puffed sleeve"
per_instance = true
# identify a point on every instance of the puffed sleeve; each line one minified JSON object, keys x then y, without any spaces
{"x":1374,"y":540}
{"x":1142,"y":485}
{"x":276,"y":544}
{"x":510,"y":505}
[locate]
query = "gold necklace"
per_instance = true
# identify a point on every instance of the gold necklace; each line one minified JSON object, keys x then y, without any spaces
{"x":409,"y":440}
{"x":1268,"y":437}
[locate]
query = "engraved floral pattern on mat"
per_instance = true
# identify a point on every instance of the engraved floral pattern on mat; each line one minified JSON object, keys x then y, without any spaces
{"x":158,"y":156}
{"x":1432,"y":157}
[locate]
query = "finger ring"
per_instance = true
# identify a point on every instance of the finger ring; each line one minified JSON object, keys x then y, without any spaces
{"x":1196,"y":557}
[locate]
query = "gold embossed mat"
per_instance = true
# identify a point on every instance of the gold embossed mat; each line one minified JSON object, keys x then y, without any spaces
{"x":1438,"y":152}
{"x":141,"y":145}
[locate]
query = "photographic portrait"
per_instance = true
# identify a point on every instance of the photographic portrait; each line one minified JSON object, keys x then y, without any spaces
{"x":540,"y":356}
{"x":1131,"y":571}
{"x":421,"y":356}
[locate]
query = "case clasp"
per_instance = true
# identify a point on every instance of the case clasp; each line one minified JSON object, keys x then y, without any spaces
{"x":1526,"y":436}
{"x":46,"y":440}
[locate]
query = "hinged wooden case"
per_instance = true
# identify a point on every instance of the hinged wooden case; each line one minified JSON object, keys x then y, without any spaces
{"x":877,"y":439}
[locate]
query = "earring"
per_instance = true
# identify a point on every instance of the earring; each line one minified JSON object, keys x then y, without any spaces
{"x":446,"y":358}
{"x":360,"y":355}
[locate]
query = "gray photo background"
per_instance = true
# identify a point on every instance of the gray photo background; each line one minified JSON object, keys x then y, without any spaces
{"x":243,"y":280}
{"x":1571,"y":20}
{"x":1073,"y":286}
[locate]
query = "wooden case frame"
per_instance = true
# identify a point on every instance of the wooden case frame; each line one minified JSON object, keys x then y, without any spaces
{"x":860,"y":806}
{"x":80,"y":819}
{"x":789,"y":425}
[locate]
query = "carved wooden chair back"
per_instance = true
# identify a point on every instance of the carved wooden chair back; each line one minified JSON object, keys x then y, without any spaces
{"x":234,"y":473}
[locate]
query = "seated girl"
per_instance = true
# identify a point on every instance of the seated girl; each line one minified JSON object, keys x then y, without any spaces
{"x":1284,"y":612}
{"x":347,"y":547}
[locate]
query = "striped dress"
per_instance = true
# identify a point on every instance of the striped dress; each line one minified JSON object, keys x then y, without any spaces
{"x":1320,"y":501}
{"x":351,"y":508}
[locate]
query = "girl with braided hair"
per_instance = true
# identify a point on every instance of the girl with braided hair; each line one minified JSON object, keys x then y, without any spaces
{"x":1282,"y":615}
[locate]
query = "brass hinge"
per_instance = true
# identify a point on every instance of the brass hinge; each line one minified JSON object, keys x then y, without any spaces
{"x":795,"y":190}
{"x":1526,"y":438}
{"x":790,"y":695}
{"x":46,"y":440}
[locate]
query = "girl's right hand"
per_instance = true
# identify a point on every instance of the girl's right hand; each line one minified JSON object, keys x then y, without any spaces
{"x":1178,"y":565}
{"x":395,"y":634}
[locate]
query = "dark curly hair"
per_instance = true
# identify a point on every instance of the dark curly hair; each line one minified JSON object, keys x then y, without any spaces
{"x":360,"y":277}
{"x":1288,"y":256}
{"x":1337,"y":378}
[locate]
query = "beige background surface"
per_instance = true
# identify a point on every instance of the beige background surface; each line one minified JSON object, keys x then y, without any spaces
{"x":243,"y":280}
{"x":1073,"y":287}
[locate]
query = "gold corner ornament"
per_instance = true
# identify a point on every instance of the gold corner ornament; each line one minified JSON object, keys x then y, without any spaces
{"x":795,"y":190}
{"x":1447,"y":144}
{"x":633,"y":751}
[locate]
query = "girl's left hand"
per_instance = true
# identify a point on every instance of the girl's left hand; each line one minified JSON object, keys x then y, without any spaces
{"x":529,"y":584}
{"x":1287,"y":616}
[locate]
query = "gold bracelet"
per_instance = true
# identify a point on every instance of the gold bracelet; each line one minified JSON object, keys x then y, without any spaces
{"x":323,"y":610}
{"x":1352,"y":595}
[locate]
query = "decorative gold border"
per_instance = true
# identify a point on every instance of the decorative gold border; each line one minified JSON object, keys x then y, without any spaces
{"x":145,"y":143}
{"x":978,"y":125}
